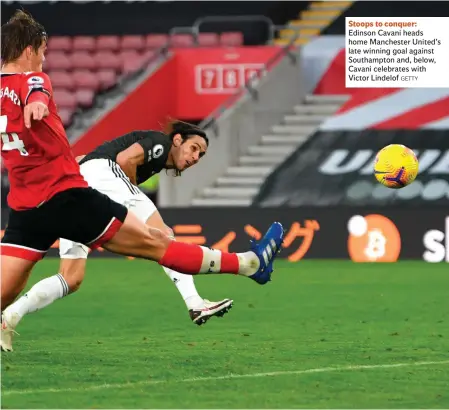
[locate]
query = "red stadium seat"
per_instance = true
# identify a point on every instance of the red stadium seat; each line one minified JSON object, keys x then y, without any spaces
{"x":64,"y":99}
{"x":85,"y":79}
{"x":57,"y":61}
{"x":83,"y":43}
{"x":107,"y":59}
{"x":108,"y":43}
{"x":129,"y":54}
{"x":59,"y":43}
{"x":83,"y":60}
{"x":66,"y":115}
{"x":182,"y":40}
{"x":156,"y":41}
{"x":85,"y":97}
{"x":61,"y":79}
{"x":232,"y":39}
{"x":146,"y":56}
{"x":132,"y":43}
{"x":208,"y":39}
{"x":107,"y":78}
{"x":132,"y":65}
{"x":132,"y":62}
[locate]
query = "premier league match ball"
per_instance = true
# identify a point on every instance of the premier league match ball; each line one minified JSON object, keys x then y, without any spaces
{"x":395,"y":166}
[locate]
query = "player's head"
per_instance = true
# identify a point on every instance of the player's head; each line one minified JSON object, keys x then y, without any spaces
{"x":189,"y":144}
{"x":23,"y":42}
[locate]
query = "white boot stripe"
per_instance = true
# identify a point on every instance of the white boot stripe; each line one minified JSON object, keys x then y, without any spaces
{"x":265,"y":257}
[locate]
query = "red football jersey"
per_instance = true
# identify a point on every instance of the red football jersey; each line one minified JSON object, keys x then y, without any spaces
{"x":39,"y":160}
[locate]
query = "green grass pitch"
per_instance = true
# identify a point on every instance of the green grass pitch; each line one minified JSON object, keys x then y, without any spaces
{"x":322,"y":334}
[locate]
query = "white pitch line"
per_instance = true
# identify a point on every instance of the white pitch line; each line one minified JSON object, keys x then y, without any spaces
{"x":224,"y":377}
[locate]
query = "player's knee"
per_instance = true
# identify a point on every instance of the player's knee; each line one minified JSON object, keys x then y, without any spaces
{"x":140,"y":240}
{"x":155,"y":243}
{"x":157,"y":238}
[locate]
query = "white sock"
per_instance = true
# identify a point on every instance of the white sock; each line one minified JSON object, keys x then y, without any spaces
{"x":248,"y":262}
{"x":186,"y":288}
{"x":39,"y":296}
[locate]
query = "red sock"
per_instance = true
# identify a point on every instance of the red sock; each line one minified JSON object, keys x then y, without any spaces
{"x":229,"y":263}
{"x":188,"y":258}
{"x":183,"y":257}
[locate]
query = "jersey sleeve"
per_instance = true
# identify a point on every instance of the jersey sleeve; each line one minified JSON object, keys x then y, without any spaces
{"x":35,"y":82}
{"x":155,"y":146}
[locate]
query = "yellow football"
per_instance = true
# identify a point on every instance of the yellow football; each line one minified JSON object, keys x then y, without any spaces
{"x":396,"y":166}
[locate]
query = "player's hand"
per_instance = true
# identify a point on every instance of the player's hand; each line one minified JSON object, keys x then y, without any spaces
{"x":34,"y":111}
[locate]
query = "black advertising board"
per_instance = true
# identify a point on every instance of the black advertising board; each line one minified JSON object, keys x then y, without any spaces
{"x":360,"y":234}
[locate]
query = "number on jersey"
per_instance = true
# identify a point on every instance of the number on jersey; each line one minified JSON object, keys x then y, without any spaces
{"x":12,"y":141}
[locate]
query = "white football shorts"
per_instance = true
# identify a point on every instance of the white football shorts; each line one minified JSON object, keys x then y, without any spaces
{"x":107,"y":177}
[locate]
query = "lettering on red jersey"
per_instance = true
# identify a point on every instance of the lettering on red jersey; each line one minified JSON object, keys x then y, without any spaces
{"x":11,"y":94}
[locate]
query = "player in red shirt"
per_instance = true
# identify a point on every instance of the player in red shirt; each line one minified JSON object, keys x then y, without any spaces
{"x":33,"y":154}
{"x":49,"y":199}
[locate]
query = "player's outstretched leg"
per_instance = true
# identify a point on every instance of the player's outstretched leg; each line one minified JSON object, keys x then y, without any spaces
{"x":135,"y":239}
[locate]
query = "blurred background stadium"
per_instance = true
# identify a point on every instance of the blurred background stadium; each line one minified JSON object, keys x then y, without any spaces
{"x":266,"y":80}
{"x":289,"y":142}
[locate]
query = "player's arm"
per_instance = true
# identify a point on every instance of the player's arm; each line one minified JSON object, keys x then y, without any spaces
{"x":35,"y":95}
{"x":140,"y":152}
{"x":130,"y":159}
